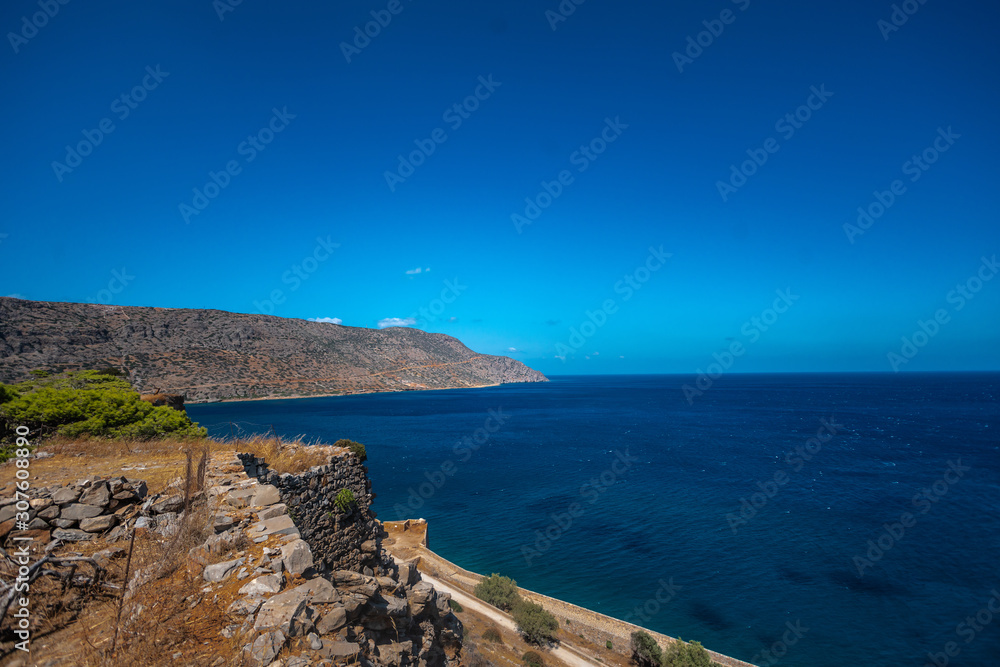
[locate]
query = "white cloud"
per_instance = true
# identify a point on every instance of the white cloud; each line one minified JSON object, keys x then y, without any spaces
{"x":413,"y":272}
{"x":513,"y":349}
{"x":396,"y":322}
{"x":328,"y":320}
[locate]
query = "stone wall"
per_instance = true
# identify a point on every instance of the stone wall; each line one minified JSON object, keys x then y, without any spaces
{"x":341,"y":540}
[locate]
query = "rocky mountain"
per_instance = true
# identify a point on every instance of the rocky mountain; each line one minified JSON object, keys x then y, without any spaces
{"x":212,"y":354}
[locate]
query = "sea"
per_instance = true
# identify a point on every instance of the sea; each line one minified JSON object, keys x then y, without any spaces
{"x":815,"y":520}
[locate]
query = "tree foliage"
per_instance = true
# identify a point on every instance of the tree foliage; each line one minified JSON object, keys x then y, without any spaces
{"x":534,"y":622}
{"x":686,"y":654}
{"x":645,"y":651}
{"x":88,"y":403}
{"x":499,"y":591}
{"x":356,"y":447}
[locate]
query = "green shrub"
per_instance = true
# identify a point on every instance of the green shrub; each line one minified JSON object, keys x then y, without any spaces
{"x":532,"y":659}
{"x":492,"y":634}
{"x":645,"y":651}
{"x":345,"y":500}
{"x":455,"y":606}
{"x":686,"y":654}
{"x":89,"y":403}
{"x":608,"y":645}
{"x":356,"y":447}
{"x":536,"y":624}
{"x":501,"y":592}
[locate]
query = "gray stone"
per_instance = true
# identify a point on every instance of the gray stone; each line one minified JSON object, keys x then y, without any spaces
{"x":143,"y":522}
{"x":98,"y":494}
{"x":78,"y":511}
{"x":38,"y":524}
{"x":223,"y":523}
{"x":65,"y":495}
{"x":40,"y":503}
{"x":63,"y":523}
{"x":318,"y":591}
{"x":167,"y":505}
{"x":281,"y":611}
{"x":7,"y":513}
{"x":332,"y":621}
{"x":340,"y":649}
{"x":265,"y":648}
{"x":49,"y":513}
{"x":265,"y":495}
{"x":296,"y":557}
{"x":139,"y":487}
{"x":219,"y":571}
{"x":269,"y":583}
{"x":125,"y":496}
{"x":272,"y":511}
{"x":98,"y":524}
{"x":239,"y":497}
{"x":355,"y":583}
{"x":314,"y":641}
{"x":279,"y":525}
{"x":71,"y":535}
{"x":246,"y":606}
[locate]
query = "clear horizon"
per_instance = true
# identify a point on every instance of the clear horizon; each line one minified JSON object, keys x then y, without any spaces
{"x":587,"y":188}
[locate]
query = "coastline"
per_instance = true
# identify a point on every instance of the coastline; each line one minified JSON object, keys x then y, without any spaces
{"x":353,"y":393}
{"x":407,"y":540}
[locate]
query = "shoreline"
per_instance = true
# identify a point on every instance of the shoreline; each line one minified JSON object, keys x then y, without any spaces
{"x":353,"y":393}
{"x":601,"y":626}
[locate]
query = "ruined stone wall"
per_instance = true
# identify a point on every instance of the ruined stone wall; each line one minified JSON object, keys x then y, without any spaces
{"x":339,"y":540}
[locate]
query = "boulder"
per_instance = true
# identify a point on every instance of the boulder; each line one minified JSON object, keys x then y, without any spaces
{"x":269,"y":583}
{"x":332,"y":621}
{"x":279,"y":525}
{"x":78,"y":511}
{"x":219,"y":571}
{"x":98,"y":524}
{"x":222,"y":523}
{"x":246,"y":606}
{"x":98,"y":495}
{"x":49,"y":513}
{"x":63,"y":523}
{"x":265,"y":648}
{"x":65,"y":495}
{"x":296,"y":557}
{"x":272,"y":511}
{"x":335,"y":650}
{"x":239,"y":497}
{"x":38,"y":524}
{"x":353,"y":582}
{"x":319,"y":591}
{"x":40,"y":503}
{"x":265,"y":495}
{"x":281,"y":611}
{"x":70,"y":535}
{"x":168,"y":504}
{"x":138,"y":486}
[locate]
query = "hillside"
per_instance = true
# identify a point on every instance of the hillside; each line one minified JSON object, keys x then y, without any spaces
{"x":215,"y":355}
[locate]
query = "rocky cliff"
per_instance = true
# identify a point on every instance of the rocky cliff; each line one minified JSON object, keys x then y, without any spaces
{"x":211,"y":354}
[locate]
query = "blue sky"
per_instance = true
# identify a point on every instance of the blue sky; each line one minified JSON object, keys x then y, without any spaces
{"x":627,"y":149}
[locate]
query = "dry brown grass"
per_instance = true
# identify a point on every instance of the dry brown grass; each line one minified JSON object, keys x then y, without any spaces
{"x":288,"y":456}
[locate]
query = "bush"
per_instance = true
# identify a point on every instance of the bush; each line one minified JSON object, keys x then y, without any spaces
{"x":455,"y":606}
{"x":532,"y":659}
{"x":356,"y":447}
{"x":345,"y":500}
{"x":686,"y":654}
{"x":492,"y":634}
{"x":645,"y":651}
{"x":88,"y":403}
{"x":608,"y":645}
{"x":501,"y":592}
{"x":536,"y":624}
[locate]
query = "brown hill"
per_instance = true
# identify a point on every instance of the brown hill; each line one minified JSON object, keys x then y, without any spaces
{"x":212,"y":354}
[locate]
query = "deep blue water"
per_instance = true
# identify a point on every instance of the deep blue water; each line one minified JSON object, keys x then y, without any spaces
{"x":659,"y":515}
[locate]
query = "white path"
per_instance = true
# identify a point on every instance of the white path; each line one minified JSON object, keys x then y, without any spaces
{"x":565,"y":653}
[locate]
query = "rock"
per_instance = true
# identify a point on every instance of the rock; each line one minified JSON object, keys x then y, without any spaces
{"x":65,"y":495}
{"x":143,"y":522}
{"x":69,"y":535}
{"x":139,"y":487}
{"x":369,"y":547}
{"x":265,"y":495}
{"x":246,"y":606}
{"x":7,"y":513}
{"x":49,"y":513}
{"x":98,"y":524}
{"x":319,"y":591}
{"x":63,"y":523}
{"x":332,"y":621}
{"x":279,"y":525}
{"x":272,"y":511}
{"x":296,"y":557}
{"x":98,"y":495}
{"x":219,"y":571}
{"x":314,"y":641}
{"x":269,"y":583}
{"x":77,"y":511}
{"x":281,"y":611}
{"x":355,"y":583}
{"x":125,"y":497}
{"x":420,"y":595}
{"x":239,"y":497}
{"x":340,"y":649}
{"x":223,"y":523}
{"x":390,"y":606}
{"x":40,"y":503}
{"x":168,"y":504}
{"x":6,"y":527}
{"x":265,"y":648}
{"x":38,"y":524}
{"x":408,"y":573}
